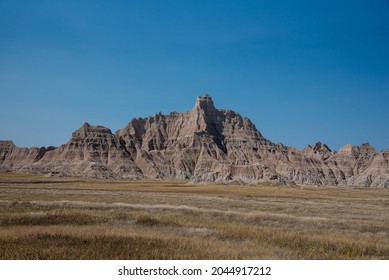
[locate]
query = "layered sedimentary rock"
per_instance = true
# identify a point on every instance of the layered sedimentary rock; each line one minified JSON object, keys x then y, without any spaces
{"x":204,"y":145}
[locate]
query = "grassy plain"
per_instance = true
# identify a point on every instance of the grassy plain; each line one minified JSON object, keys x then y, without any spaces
{"x":70,"y":218}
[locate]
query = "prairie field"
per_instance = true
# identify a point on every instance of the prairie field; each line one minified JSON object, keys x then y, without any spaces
{"x":73,"y":218}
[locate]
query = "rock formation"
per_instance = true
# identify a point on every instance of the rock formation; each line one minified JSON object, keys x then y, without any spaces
{"x":204,"y":145}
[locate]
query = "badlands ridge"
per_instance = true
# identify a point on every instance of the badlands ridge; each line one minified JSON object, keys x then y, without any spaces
{"x":204,"y":144}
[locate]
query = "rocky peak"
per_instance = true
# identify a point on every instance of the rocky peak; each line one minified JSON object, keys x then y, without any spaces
{"x":88,"y":130}
{"x":346,"y":149}
{"x":367,"y":148}
{"x":364,"y":149}
{"x":7,"y":144}
{"x":205,"y":103}
{"x":86,"y":125}
{"x":318,"y":150}
{"x":321,"y":148}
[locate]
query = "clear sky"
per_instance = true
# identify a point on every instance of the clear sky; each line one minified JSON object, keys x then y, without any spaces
{"x":302,"y":71}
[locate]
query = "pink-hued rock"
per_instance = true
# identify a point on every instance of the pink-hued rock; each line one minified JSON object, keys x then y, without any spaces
{"x":204,"y":145}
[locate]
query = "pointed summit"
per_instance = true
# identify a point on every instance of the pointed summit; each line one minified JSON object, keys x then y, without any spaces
{"x":205,"y":103}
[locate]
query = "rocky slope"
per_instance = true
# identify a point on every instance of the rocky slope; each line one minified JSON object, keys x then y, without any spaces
{"x":205,"y":145}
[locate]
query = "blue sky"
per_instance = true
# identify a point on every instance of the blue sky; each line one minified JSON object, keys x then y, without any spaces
{"x":302,"y":71}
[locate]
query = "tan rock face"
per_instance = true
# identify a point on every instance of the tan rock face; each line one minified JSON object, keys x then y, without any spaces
{"x":12,"y":157}
{"x":205,"y":145}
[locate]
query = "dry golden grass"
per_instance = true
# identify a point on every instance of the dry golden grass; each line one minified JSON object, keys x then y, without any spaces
{"x":68,"y":218}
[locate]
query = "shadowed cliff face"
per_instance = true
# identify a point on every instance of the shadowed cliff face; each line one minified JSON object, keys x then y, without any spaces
{"x":204,"y":144}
